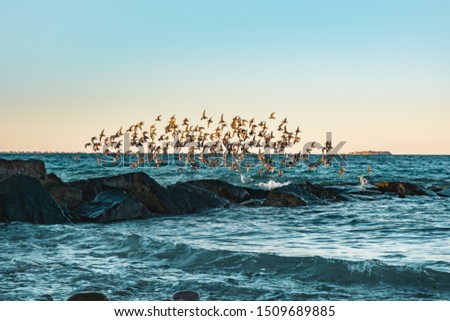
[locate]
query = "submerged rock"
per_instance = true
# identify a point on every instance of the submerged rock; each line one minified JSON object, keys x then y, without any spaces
{"x":24,"y":199}
{"x":88,"y":296}
{"x":31,"y":168}
{"x":45,"y":297}
{"x":190,"y":199}
{"x":113,"y":205}
{"x":403,"y":189}
{"x":186,"y":296}
{"x":324,"y":193}
{"x":231,"y":192}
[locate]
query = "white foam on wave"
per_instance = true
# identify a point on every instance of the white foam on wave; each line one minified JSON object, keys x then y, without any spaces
{"x":270,"y":185}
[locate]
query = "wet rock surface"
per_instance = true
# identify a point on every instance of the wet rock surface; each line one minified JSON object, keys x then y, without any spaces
{"x":146,"y":190}
{"x":113,"y":205}
{"x":190,"y":199}
{"x":30,"y":168}
{"x":25,"y":199}
{"x":235,"y":194}
{"x":404,"y":189}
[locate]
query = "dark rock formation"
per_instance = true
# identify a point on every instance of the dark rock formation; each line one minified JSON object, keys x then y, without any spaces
{"x":146,"y":190}
{"x":403,"y":189}
{"x":67,"y":196}
{"x":190,"y":199}
{"x":283,"y":199}
{"x":286,"y":196}
{"x":324,"y":193}
{"x":291,"y":195}
{"x":52,"y":179}
{"x":24,"y":199}
{"x":235,"y":194}
{"x":113,"y":205}
{"x":186,"y":296}
{"x":88,"y":296}
{"x":257,"y":193}
{"x":31,"y":168}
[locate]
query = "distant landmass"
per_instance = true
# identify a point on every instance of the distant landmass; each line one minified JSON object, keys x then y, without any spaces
{"x":370,"y":152}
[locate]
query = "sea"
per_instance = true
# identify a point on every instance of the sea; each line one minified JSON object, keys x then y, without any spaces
{"x":381,"y":248}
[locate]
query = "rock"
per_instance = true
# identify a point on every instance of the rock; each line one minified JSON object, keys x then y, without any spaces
{"x":291,"y":195}
{"x":257,"y":193}
{"x":52,"y":179}
{"x":66,"y":195}
{"x":190,"y":199}
{"x":24,"y":199}
{"x":324,"y":193}
{"x":232,"y":193}
{"x":88,"y":296}
{"x":403,"y":189}
{"x":89,"y":188}
{"x":283,"y":199}
{"x":32,"y":168}
{"x":113,"y":205}
{"x":146,"y":190}
{"x":186,"y":296}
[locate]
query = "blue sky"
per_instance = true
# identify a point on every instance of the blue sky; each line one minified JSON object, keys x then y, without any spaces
{"x":375,"y":73}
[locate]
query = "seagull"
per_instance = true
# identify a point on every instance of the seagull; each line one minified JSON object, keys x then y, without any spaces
{"x":158,"y":118}
{"x":272,"y":116}
{"x":363,"y":181}
{"x":246,"y":180}
{"x":369,"y":169}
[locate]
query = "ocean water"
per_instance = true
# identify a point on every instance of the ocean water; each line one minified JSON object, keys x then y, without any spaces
{"x":388,"y":248}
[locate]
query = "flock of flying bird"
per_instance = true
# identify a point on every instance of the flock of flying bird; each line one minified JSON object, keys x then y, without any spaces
{"x":226,"y":144}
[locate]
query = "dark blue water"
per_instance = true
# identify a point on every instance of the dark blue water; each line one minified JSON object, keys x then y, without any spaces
{"x":385,"y":249}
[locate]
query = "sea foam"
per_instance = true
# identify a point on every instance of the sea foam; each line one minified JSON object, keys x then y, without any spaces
{"x":270,"y":185}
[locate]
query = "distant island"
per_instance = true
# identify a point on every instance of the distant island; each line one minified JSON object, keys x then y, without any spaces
{"x":370,"y":152}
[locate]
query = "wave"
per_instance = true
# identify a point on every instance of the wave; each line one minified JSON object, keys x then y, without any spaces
{"x":270,"y":185}
{"x":315,"y":268}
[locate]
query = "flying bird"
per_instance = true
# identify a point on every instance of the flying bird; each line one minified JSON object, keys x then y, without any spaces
{"x":363,"y":181}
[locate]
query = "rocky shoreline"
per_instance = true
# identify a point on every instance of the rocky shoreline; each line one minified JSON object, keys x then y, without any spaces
{"x":29,"y":194}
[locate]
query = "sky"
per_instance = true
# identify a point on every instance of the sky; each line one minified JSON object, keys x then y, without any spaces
{"x":374,"y":73}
